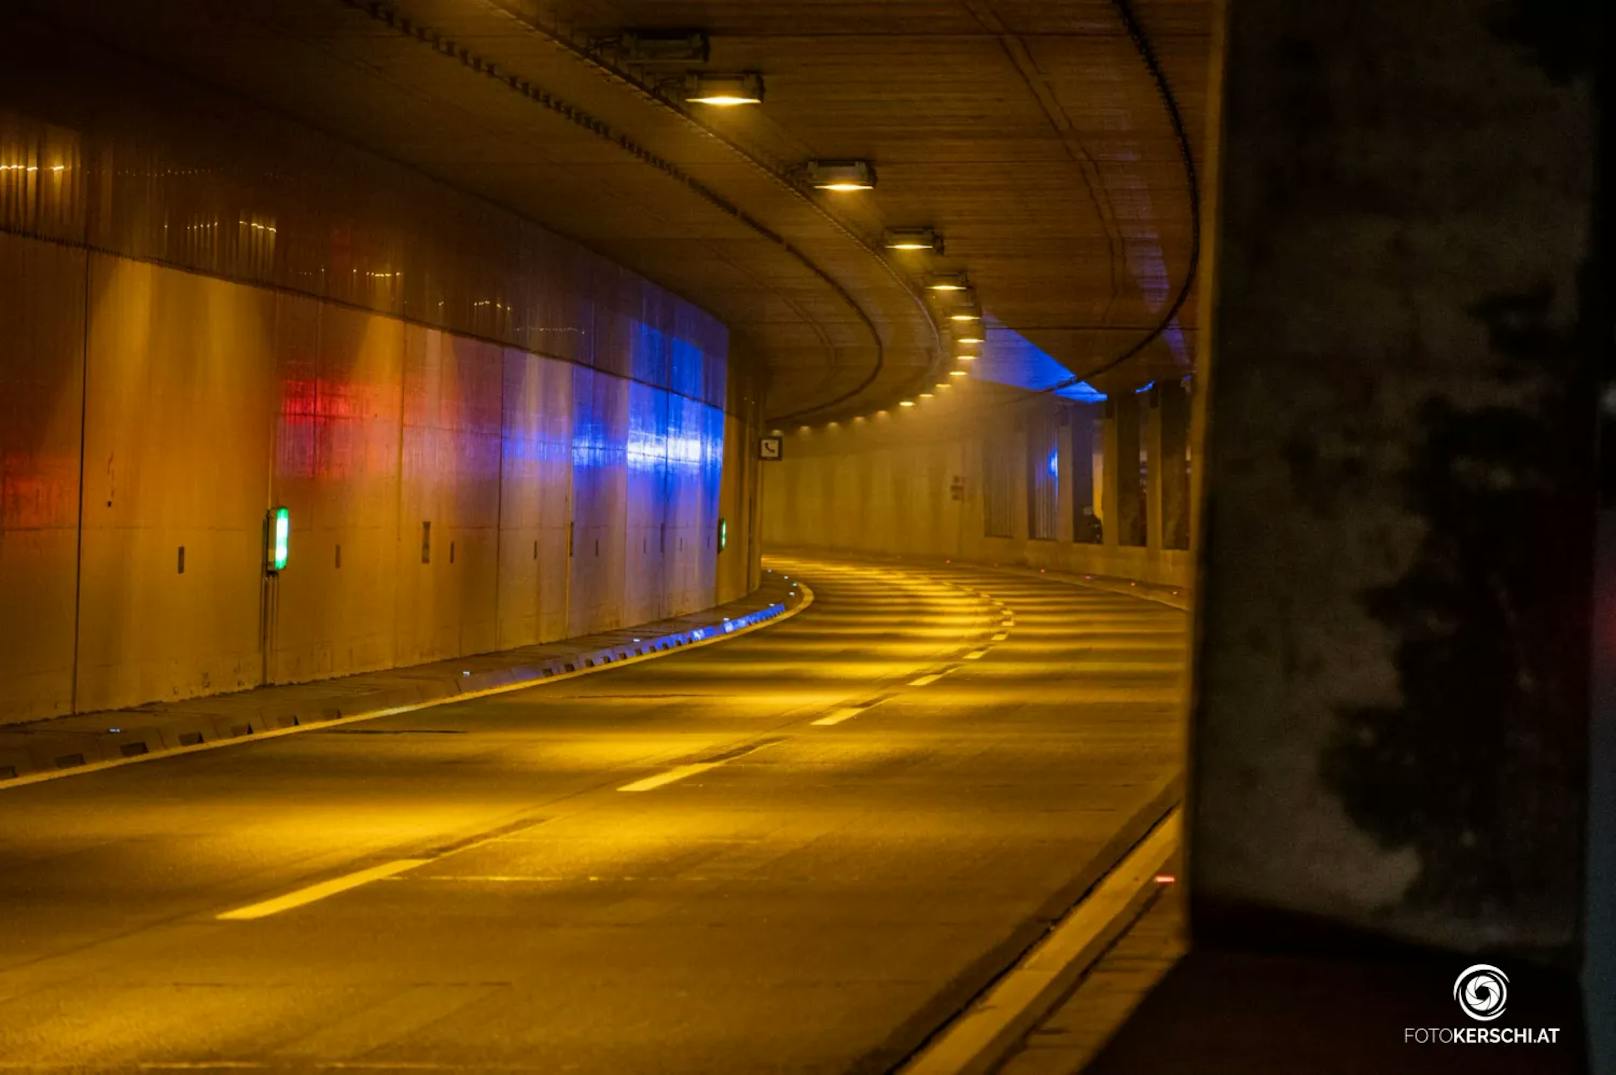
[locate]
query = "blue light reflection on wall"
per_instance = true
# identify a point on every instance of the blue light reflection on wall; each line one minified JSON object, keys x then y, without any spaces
{"x":648,"y":461}
{"x":659,"y":431}
{"x":1054,"y":464}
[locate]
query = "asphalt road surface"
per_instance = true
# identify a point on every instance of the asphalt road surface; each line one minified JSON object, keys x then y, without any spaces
{"x":723,"y":860}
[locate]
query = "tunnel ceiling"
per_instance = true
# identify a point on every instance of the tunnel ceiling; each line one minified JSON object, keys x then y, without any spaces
{"x":1031,"y":133}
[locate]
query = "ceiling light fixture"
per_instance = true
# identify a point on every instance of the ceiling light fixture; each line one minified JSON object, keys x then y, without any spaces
{"x":925,"y":395}
{"x":842,"y":175}
{"x":958,"y":373}
{"x":723,"y":91}
{"x":912,"y":239}
{"x":906,"y":403}
{"x":967,"y":312}
{"x":947,"y":281}
{"x":963,"y":357}
{"x":969,"y":337}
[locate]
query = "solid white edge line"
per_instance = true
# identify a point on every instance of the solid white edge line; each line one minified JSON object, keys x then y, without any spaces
{"x":976,"y":655}
{"x":393,"y":711}
{"x":310,"y":893}
{"x":980,"y":1038}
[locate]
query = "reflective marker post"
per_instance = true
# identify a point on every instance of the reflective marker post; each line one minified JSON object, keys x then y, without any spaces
{"x":277,"y":539}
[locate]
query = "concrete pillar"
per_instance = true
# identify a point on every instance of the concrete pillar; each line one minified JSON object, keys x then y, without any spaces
{"x":1082,"y":430}
{"x":1392,"y":716}
{"x":1123,"y":506}
{"x":1016,"y":469}
{"x":1152,"y":430}
{"x":1173,"y":429}
{"x":1065,"y":488}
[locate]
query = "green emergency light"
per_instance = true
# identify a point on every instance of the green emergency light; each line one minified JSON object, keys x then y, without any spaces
{"x":277,"y":539}
{"x":723,"y":533}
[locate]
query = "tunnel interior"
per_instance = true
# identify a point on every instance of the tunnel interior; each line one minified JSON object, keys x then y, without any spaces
{"x":565,"y":534}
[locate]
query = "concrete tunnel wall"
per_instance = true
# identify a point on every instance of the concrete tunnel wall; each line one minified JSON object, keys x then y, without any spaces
{"x":976,"y":474}
{"x":211,"y":311}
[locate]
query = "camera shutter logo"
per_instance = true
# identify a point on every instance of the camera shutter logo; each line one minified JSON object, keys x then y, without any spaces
{"x":1481,"y":990}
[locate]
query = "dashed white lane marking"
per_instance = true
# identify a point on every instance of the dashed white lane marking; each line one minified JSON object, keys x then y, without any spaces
{"x":320,"y":891}
{"x":836,"y":716}
{"x":929,"y":678}
{"x":677,"y":773}
{"x":1000,"y":637}
{"x":976,"y":655}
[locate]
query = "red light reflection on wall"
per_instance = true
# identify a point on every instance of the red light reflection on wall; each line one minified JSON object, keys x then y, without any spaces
{"x":320,"y":435}
{"x":38,"y":492}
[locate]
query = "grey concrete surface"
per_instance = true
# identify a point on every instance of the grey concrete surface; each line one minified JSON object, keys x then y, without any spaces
{"x":1392,"y":665}
{"x":818,"y":898}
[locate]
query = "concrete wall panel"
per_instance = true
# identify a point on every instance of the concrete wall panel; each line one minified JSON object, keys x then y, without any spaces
{"x":599,"y":487}
{"x":521,"y":501}
{"x":737,"y":475}
{"x":645,"y":595}
{"x":448,"y":496}
{"x":336,"y":470}
{"x":555,"y":528}
{"x":705,"y":562}
{"x":177,"y":448}
{"x":41,"y":395}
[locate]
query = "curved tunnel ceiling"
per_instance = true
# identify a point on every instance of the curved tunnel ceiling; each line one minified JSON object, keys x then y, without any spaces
{"x":1030,"y":133}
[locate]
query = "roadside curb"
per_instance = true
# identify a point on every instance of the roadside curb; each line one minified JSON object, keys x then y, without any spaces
{"x":90,"y":742}
{"x":983,"y":1036}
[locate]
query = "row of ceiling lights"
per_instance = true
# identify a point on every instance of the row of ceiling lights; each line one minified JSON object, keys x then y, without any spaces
{"x":840,"y":176}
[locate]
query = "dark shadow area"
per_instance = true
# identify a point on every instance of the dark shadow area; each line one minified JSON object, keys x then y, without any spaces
{"x":1221,"y":1011}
